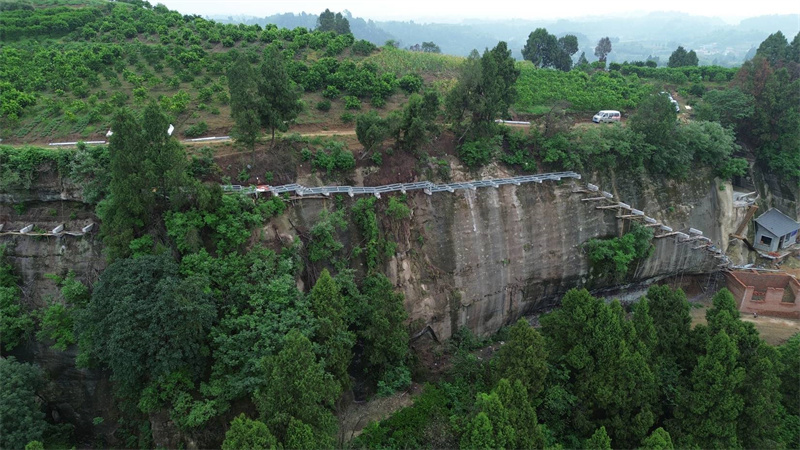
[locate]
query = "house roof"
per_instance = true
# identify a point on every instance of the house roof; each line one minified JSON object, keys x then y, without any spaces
{"x":777,"y":222}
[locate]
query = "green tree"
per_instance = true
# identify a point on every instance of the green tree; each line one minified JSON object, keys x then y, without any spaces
{"x":21,"y":419}
{"x":775,"y":48}
{"x":602,"y":49}
{"x":247,"y":434}
{"x":371,"y":130}
{"x":541,"y":48}
{"x":655,"y":119}
{"x":659,"y":439}
{"x":15,"y":322}
{"x":710,"y":407}
{"x":484,"y":92}
{"x":243,"y":88}
{"x":430,"y":47}
{"x":503,"y":433}
{"x":729,"y":107}
{"x":590,"y":346}
{"x":278,"y":96}
{"x":774,"y":129}
{"x":332,"y":335}
{"x":521,"y":415}
{"x":671,"y":355}
{"x":381,"y":326}
{"x":567,"y":46}
{"x":599,"y":440}
{"x":524,"y":358}
{"x":789,"y":353}
{"x":145,"y":322}
{"x":681,"y":58}
{"x":297,"y":388}
{"x":416,"y":122}
{"x":147,"y":167}
{"x":328,"y":21}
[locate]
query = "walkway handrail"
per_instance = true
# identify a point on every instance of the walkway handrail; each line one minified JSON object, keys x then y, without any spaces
{"x":426,"y":186}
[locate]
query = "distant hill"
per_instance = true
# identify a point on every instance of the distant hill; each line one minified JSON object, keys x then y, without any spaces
{"x":656,"y":34}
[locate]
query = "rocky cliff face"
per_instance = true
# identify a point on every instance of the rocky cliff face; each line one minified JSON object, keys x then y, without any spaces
{"x":483,"y":258}
{"x":479,"y":259}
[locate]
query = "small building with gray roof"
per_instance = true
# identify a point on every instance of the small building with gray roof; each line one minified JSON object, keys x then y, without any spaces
{"x":775,"y":231}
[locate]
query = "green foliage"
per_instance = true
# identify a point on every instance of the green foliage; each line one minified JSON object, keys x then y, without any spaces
{"x":544,"y":50}
{"x":708,"y":410}
{"x":410,"y":83}
{"x":680,"y":58}
{"x":323,"y":243}
{"x":729,"y":107}
{"x":394,"y":379}
{"x":144,"y":322}
{"x":297,"y":388}
{"x":583,"y":93}
{"x":612,"y":257}
{"x":351,"y":102}
{"x":485,"y":90}
{"x":196,"y":130}
{"x":371,"y":130}
{"x":523,"y":358}
{"x":414,"y":125}
{"x":19,"y":167}
{"x":599,"y":440}
{"x":332,"y":335}
{"x":334,"y":158}
{"x":15,"y":322}
{"x":789,"y":354}
{"x":659,"y":439}
{"x":397,"y":208}
{"x":381,"y":328}
{"x":261,"y":304}
{"x":21,"y":419}
{"x":363,"y":47}
{"x":324,"y":105}
{"x":425,"y":422}
{"x":479,"y":152}
{"x":148,"y":167}
{"x":594,"y":355}
{"x":376,"y":249}
{"x":247,"y":434}
{"x":57,"y":324}
{"x":774,"y":128}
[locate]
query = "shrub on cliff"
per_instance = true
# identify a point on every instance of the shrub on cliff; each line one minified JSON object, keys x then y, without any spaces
{"x":612,"y":258}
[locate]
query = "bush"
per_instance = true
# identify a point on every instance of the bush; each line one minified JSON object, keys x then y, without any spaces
{"x":196,"y":130}
{"x":330,"y":92}
{"x":363,"y":47}
{"x":411,"y":83}
{"x":334,"y":158}
{"x":324,"y":105}
{"x":613,"y":257}
{"x":351,"y":102}
{"x":394,"y":379}
{"x":347,"y":117}
{"x":479,"y":152}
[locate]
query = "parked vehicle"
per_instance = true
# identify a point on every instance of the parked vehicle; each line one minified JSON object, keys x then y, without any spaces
{"x":606,"y":116}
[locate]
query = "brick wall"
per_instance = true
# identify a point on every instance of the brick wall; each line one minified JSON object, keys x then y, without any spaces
{"x":766,"y":294}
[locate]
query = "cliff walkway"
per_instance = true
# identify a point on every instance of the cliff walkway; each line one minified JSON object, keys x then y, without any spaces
{"x":592,"y":193}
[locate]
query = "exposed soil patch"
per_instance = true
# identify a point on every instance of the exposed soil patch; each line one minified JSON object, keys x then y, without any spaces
{"x":773,"y":330}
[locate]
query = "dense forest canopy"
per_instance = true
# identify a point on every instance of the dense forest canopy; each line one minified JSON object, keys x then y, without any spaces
{"x":241,"y":342}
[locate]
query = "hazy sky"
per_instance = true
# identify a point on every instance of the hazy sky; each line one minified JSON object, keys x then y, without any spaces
{"x":455,"y":10}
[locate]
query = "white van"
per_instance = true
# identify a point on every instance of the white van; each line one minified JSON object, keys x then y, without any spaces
{"x":606,"y":116}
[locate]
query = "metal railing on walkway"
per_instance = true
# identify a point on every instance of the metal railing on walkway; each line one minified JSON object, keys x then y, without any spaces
{"x":426,"y":186}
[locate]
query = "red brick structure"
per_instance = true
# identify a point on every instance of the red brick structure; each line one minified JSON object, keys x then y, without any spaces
{"x":770,"y":294}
